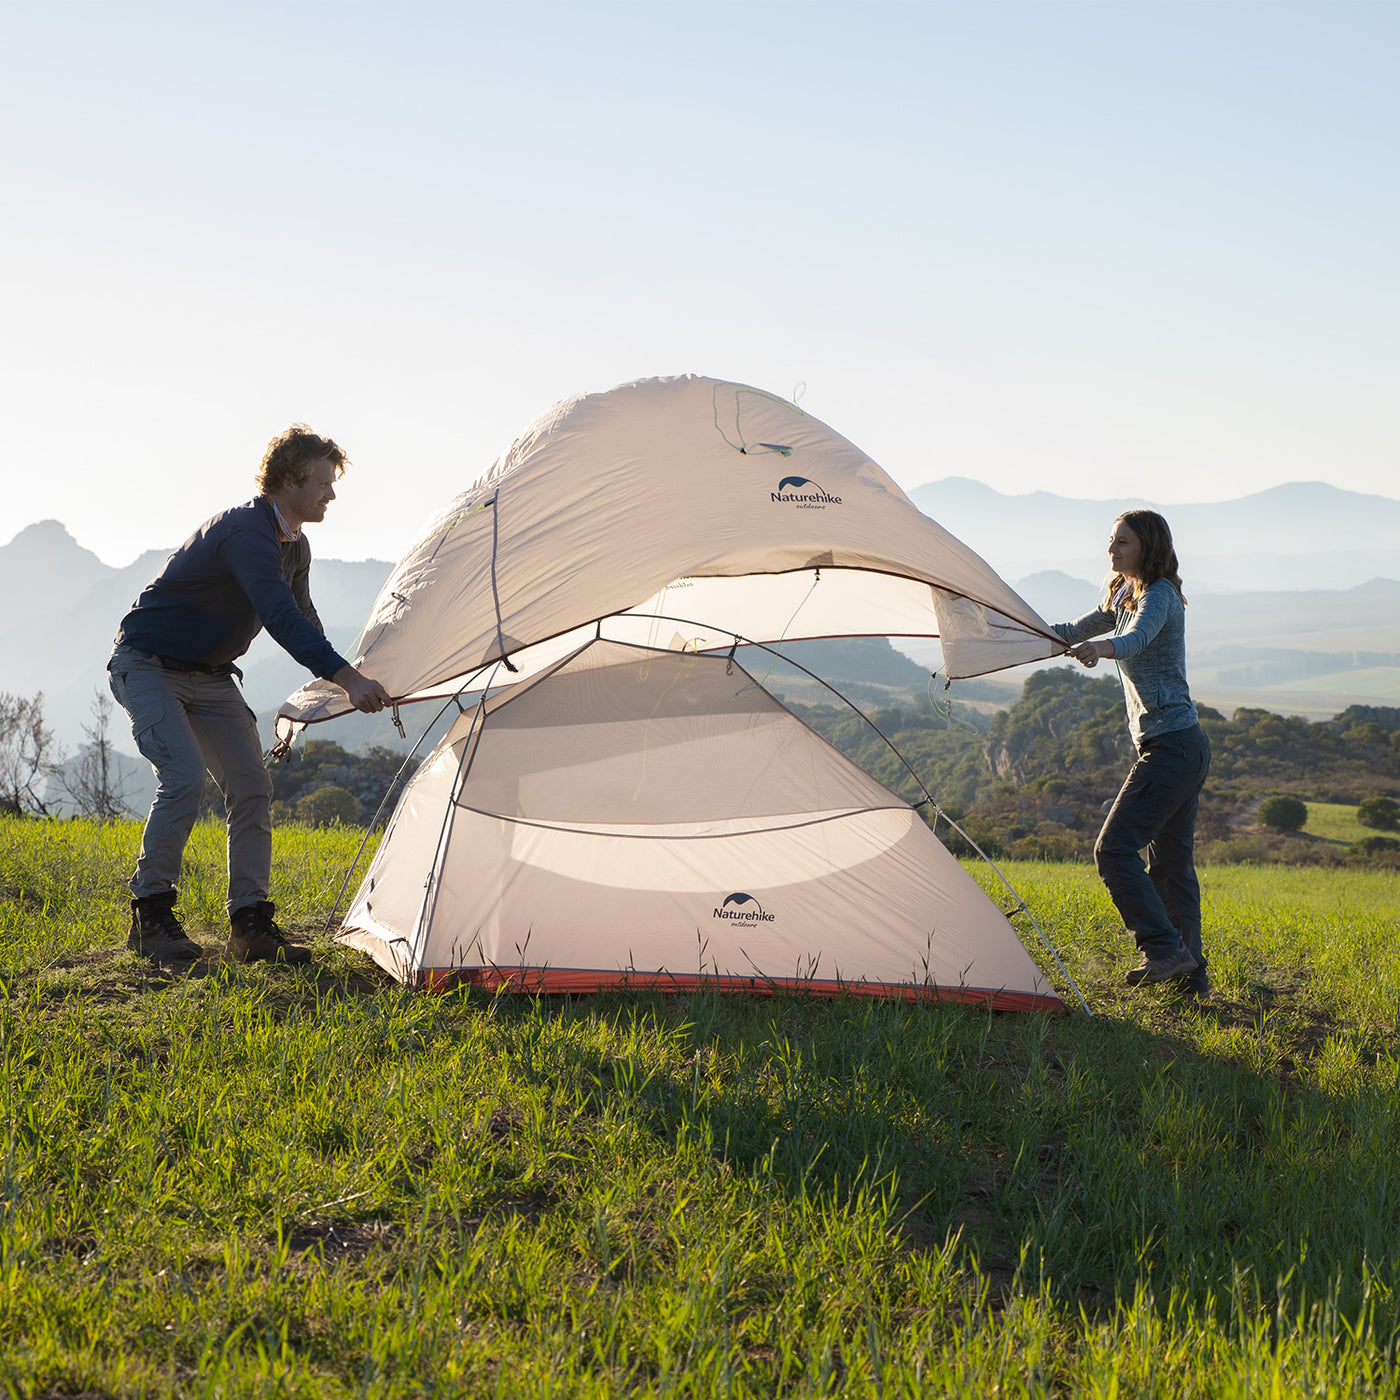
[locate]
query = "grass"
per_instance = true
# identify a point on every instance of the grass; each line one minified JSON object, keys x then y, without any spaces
{"x":1336,"y":821}
{"x":268,"y":1181}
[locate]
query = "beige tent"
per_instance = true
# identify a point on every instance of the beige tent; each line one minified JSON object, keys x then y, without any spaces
{"x":689,"y":510}
{"x":640,"y":817}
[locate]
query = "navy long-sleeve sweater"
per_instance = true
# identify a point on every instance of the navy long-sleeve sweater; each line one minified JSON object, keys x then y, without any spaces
{"x":228,"y":581}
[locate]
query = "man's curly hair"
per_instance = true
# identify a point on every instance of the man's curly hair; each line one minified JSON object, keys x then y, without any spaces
{"x":289,"y":456}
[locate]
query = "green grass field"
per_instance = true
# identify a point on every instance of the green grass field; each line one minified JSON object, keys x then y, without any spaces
{"x":1336,"y":821}
{"x":268,"y":1181}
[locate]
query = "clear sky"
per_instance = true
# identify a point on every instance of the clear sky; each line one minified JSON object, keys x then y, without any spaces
{"x":1100,"y":249}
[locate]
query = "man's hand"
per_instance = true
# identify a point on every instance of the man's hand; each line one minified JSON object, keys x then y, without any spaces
{"x":365,"y":694}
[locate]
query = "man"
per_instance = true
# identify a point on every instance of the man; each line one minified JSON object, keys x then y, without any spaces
{"x":173,"y":672}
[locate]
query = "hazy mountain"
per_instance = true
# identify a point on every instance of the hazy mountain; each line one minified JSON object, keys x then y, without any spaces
{"x":1305,"y":535}
{"x":43,"y":572}
{"x":67,"y":604}
{"x":1329,"y":640}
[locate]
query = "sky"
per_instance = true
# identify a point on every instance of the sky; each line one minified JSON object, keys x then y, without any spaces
{"x":1105,"y":249}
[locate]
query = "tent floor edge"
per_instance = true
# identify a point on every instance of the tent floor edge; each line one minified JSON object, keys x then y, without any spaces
{"x":546,"y":981}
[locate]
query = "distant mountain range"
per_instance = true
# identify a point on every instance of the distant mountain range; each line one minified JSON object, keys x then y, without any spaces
{"x":66,"y":605}
{"x":1293,"y":602}
{"x":1306,"y":535}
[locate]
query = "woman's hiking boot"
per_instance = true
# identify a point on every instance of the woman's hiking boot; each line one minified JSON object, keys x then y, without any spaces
{"x":157,"y":934}
{"x":1161,"y":969}
{"x":254,"y":937}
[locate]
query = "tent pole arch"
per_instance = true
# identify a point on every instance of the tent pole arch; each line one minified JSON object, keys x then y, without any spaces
{"x":383,"y":802}
{"x":740,"y":640}
{"x":1021,"y":906}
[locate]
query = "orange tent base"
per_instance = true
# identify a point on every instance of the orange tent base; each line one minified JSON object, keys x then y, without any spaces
{"x":544,"y":981}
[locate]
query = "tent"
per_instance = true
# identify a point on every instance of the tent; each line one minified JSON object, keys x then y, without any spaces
{"x":689,"y":510}
{"x":633,"y":816}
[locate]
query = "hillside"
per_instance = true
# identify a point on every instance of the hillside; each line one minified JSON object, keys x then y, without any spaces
{"x":1036,"y":781}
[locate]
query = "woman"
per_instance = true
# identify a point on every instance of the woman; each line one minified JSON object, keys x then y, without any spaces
{"x":1156,"y":806}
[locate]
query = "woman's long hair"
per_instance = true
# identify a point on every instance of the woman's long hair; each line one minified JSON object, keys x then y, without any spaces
{"x":1158,"y":560}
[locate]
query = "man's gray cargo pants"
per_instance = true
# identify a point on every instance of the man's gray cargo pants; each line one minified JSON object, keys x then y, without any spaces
{"x":184,"y":723}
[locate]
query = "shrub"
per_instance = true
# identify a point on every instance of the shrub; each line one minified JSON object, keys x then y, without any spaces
{"x":328,"y":806}
{"x":1283,"y":813}
{"x":1382,"y":813}
{"x":1374,"y":845}
{"x":1383,"y":851}
{"x":1240,"y":850}
{"x":983,"y":830}
{"x":1368,"y":732}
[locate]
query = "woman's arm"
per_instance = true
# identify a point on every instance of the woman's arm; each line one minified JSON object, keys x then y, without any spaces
{"x":1150,"y":615}
{"x":1092,"y":624}
{"x":1078,"y":632}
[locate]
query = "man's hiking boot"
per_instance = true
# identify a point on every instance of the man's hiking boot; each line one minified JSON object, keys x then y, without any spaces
{"x":157,"y":934}
{"x":1194,"y":985}
{"x":1169,"y":965}
{"x":254,"y":937}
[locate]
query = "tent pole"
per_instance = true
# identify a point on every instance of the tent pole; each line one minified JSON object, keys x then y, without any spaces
{"x":1021,"y":905}
{"x":383,"y":801}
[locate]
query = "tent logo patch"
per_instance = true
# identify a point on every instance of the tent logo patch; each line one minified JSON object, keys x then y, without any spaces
{"x":804,"y":493}
{"x":740,"y":912}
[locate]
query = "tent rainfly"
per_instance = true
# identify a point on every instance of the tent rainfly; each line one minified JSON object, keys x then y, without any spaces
{"x":646,"y":817}
{"x":689,"y":511}
{"x":661,"y":820}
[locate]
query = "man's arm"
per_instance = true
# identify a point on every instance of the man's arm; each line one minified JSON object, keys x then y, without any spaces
{"x":301,"y":588}
{"x":256,"y":563}
{"x":365,"y":694}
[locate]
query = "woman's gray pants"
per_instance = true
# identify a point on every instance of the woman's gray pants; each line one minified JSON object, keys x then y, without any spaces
{"x":184,"y":723}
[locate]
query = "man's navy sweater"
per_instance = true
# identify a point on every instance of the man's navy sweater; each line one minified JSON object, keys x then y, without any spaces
{"x":230,"y":579}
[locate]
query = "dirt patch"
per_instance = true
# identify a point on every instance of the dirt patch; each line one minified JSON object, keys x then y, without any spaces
{"x":333,"y":1240}
{"x":74,"y":1395}
{"x":326,"y":1240}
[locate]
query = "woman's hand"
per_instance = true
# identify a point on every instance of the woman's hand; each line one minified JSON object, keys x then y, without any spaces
{"x":1088,"y":653}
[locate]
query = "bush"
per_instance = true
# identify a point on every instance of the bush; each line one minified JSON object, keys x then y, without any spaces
{"x":983,"y":830}
{"x":328,"y":806}
{"x":1373,"y":851}
{"x":1239,"y":850}
{"x":1382,"y":813}
{"x":1283,"y":813}
{"x":1373,"y":846}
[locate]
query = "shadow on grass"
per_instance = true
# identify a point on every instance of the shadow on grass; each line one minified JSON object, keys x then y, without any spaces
{"x":1087,"y":1155}
{"x":1185,"y":1144}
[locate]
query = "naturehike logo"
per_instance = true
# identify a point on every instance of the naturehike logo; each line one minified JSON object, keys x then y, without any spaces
{"x":740,"y":913}
{"x":804,"y":493}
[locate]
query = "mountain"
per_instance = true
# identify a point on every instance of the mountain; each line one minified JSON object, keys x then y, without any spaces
{"x":1308,"y":632}
{"x":1305,"y":535}
{"x":57,"y":635}
{"x":44,"y":570}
